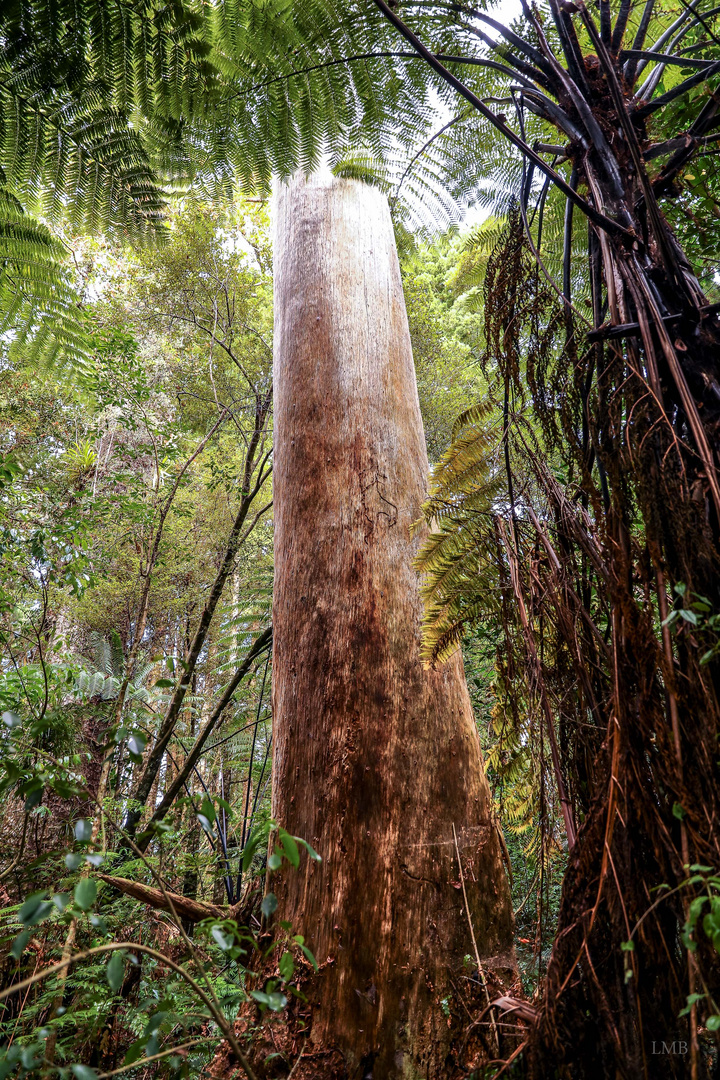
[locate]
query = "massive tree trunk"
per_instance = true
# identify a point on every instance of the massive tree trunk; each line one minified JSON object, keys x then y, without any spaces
{"x":376,"y":759}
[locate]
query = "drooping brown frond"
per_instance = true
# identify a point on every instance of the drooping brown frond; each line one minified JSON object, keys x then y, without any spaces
{"x":603,"y":501}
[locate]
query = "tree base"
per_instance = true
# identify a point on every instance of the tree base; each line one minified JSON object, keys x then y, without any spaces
{"x":454,"y":1039}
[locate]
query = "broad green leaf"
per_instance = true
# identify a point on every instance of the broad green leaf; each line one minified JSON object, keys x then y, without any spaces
{"x":249,"y":853}
{"x":225,"y":941}
{"x":86,"y":893}
{"x":134,"y":1051}
{"x":84,"y":1072}
{"x":277,"y":1001}
{"x":115,"y":971}
{"x":35,"y":909}
{"x":269,"y":905}
{"x":310,"y":850}
{"x":310,"y":956}
{"x":29,"y":1056}
{"x":253,"y":842}
{"x":274,"y":1001}
{"x":136,"y":743}
{"x":286,"y":966}
{"x":695,"y":908}
{"x":290,"y":848}
{"x":692,"y":999}
{"x":20,"y":943}
{"x":156,"y":1021}
{"x":34,"y":795}
{"x":83,"y":830}
{"x":152,"y":1046}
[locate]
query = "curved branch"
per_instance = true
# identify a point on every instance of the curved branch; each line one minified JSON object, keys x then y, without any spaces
{"x":570,"y":45}
{"x":580,"y":101}
{"x":519,"y":75}
{"x":548,"y":110}
{"x":620,"y":25}
{"x":630,"y":69}
{"x":114,"y":946}
{"x":423,"y":148}
{"x":657,"y":224}
{"x":385,"y":54}
{"x":514,"y":39}
{"x":680,"y":142}
{"x":605,"y":21}
{"x":667,"y":34}
{"x":600,"y":220}
{"x":677,"y":91}
{"x":520,"y":65}
{"x":665,"y":58}
{"x":691,"y":143}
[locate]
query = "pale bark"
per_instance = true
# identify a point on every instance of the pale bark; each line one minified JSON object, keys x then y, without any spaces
{"x":375,"y":757}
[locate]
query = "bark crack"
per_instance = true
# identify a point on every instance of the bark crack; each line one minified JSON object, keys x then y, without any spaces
{"x":418,"y":877}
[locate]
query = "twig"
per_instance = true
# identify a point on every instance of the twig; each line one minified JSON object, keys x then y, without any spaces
{"x":214,"y":1005}
{"x":297,"y":1062}
{"x":126,"y":946}
{"x":472,"y":935}
{"x":155,"y":1057}
{"x":508,"y":1063}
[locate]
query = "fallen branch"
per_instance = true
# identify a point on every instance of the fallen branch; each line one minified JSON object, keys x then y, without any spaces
{"x":192,"y":910}
{"x":522,"y":1009}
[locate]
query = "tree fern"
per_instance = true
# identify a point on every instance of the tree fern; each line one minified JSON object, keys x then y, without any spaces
{"x":91,"y":101}
{"x":107,"y":107}
{"x":457,"y":557}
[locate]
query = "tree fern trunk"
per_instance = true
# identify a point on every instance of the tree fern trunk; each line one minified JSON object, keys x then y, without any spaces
{"x":376,"y":758}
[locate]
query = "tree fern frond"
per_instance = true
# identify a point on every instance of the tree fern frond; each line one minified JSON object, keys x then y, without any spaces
{"x":363,"y":167}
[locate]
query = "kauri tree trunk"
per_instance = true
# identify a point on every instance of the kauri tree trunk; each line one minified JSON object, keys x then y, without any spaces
{"x":376,"y":758}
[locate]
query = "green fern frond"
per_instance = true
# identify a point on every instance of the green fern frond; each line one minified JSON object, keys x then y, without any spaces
{"x":365,"y":168}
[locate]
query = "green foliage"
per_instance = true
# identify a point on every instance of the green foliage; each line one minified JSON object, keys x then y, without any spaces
{"x":105,"y":111}
{"x":693,"y":614}
{"x":457,"y":558}
{"x":88,"y":467}
{"x":446,"y":335}
{"x":365,"y":168}
{"x":89,"y":98}
{"x":92,"y":100}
